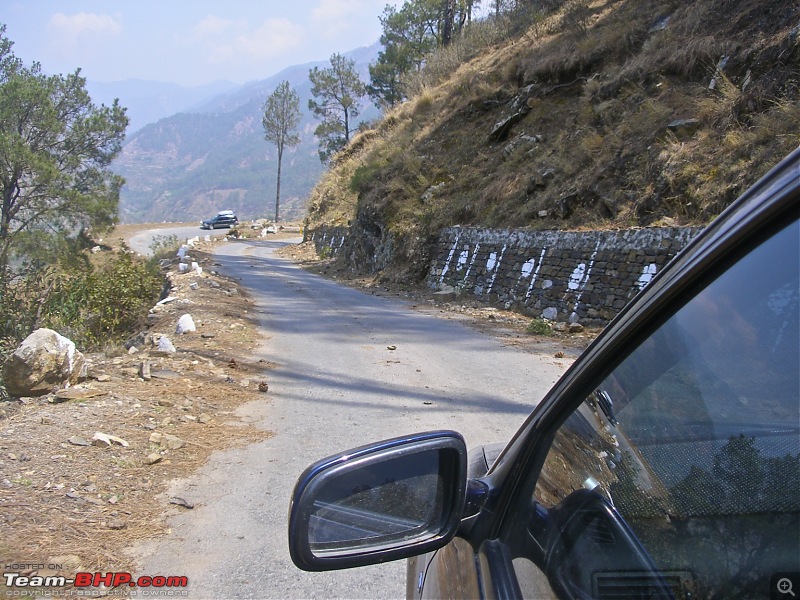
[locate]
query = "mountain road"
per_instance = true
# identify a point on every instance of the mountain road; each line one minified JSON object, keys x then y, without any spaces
{"x":142,"y":241}
{"x":350,"y":368}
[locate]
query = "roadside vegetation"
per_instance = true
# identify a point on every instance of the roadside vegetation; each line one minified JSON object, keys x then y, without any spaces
{"x":97,"y":301}
{"x":57,"y":196}
{"x":568,"y":115}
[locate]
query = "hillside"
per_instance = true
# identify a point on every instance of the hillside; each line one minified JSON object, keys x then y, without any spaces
{"x":190,"y":165}
{"x":148,"y":101}
{"x":598,"y":114}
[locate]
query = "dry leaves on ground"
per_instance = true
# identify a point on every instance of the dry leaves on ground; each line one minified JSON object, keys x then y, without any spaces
{"x":70,"y":500}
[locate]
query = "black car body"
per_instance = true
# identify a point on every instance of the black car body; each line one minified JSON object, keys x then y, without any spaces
{"x":664,"y":464}
{"x":221,"y":220}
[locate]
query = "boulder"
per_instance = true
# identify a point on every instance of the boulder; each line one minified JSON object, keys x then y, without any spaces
{"x":684,"y":128}
{"x":185,"y":325}
{"x":550,"y":313}
{"x":165,"y":345}
{"x":44,"y":362}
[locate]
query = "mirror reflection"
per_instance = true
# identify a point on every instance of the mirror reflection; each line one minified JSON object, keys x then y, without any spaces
{"x":378,"y":505}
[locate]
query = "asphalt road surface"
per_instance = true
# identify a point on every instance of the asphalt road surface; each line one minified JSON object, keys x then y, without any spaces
{"x":141,"y":242}
{"x":338,"y":386}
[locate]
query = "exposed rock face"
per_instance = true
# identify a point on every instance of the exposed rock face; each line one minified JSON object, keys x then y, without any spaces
{"x":44,"y":362}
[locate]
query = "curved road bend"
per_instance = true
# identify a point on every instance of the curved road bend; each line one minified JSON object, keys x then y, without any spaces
{"x":142,"y":241}
{"x":337,"y":386}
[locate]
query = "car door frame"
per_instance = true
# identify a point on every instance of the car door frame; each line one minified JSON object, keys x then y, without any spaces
{"x":761,"y":211}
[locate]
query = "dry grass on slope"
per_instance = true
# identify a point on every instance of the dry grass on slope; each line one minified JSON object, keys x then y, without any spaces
{"x":597,"y":84}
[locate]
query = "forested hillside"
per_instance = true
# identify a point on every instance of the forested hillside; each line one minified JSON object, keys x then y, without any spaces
{"x":578,"y":114}
{"x":189,"y":166}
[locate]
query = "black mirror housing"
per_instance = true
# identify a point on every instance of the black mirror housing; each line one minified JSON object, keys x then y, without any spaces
{"x":385,"y":501}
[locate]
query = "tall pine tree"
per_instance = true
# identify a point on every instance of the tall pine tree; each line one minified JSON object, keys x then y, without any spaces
{"x":337,"y":92}
{"x":281,"y":116}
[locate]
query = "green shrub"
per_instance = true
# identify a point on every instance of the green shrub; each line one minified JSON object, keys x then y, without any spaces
{"x":118,"y":297}
{"x":164,"y":246}
{"x":363,"y":177}
{"x":93,"y":306}
{"x":539,"y":327}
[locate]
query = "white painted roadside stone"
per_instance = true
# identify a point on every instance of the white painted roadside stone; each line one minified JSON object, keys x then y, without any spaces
{"x":165,"y":345}
{"x":185,"y":325}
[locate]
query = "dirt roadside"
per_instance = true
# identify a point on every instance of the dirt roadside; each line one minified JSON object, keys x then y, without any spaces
{"x":510,"y":327}
{"x":70,"y":504}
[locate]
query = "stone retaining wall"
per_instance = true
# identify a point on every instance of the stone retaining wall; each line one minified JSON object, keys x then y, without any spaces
{"x":585,"y":276}
{"x":327,"y":240}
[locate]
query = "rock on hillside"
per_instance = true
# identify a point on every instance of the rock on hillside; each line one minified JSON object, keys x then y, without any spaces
{"x":601,"y":113}
{"x":44,"y":362}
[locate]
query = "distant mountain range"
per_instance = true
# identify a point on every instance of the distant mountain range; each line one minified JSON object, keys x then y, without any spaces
{"x":148,"y":101}
{"x":191,"y":152}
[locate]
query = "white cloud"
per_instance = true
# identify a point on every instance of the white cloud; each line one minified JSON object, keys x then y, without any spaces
{"x":272,"y":38}
{"x":211,"y":26}
{"x":241,"y":42}
{"x":335,"y":17}
{"x":82,"y":26}
{"x":336,"y":9}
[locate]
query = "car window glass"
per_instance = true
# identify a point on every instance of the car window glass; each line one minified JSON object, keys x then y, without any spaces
{"x":680,"y":474}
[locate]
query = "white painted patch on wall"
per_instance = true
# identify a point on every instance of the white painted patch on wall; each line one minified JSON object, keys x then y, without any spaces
{"x":462,"y":260}
{"x":495,"y":266}
{"x":527,"y":268}
{"x":647,"y":276}
{"x":587,"y":271}
{"x":526,"y":271}
{"x":491,"y":262}
{"x":576,"y":279}
{"x":536,"y":275}
{"x":449,"y":259}
{"x":472,"y":262}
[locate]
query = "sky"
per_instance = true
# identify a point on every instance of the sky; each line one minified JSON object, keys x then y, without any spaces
{"x":187,"y":42}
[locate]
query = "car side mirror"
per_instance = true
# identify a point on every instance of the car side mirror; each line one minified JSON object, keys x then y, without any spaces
{"x":386,"y":501}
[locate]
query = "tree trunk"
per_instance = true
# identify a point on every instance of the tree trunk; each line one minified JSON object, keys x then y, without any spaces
{"x":278,"y":190}
{"x":449,"y":18}
{"x":5,"y":232}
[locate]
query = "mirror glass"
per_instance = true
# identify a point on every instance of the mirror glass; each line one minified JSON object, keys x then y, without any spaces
{"x":377,"y":505}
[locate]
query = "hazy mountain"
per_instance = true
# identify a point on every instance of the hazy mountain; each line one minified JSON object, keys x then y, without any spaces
{"x":211,"y":157}
{"x":149,"y":101}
